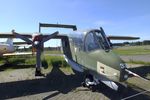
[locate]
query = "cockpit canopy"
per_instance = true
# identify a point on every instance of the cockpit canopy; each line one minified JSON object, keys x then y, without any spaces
{"x":91,"y":40}
{"x":95,"y":39}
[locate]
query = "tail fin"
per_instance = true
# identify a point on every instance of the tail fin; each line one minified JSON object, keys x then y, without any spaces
{"x":9,"y":41}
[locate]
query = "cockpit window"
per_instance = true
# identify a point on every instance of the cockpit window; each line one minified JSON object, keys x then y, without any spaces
{"x":91,"y":43}
{"x":95,"y":40}
{"x":101,"y":40}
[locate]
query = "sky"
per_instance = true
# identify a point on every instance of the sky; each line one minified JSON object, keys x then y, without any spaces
{"x":117,"y":17}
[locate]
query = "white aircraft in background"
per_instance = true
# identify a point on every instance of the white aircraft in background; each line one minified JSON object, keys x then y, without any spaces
{"x":8,"y":49}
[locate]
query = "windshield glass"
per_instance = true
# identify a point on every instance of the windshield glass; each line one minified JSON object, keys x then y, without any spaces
{"x":90,"y":42}
{"x":101,"y":40}
{"x":95,"y":40}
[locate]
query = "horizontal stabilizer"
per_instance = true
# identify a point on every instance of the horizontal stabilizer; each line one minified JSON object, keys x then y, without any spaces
{"x":57,"y":26}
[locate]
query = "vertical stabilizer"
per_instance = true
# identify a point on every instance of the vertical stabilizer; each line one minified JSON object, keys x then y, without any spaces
{"x":9,"y":41}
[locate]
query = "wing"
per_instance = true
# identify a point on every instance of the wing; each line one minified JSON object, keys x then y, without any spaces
{"x":19,"y":43}
{"x":17,"y":54}
{"x":28,"y":35}
{"x":11,"y":35}
{"x":123,"y":38}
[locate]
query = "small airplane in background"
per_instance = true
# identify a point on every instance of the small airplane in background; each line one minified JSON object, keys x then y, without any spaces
{"x":88,"y":51}
{"x":8,"y":48}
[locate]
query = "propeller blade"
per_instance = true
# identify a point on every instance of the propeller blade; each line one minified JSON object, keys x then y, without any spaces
{"x":33,"y":50}
{"x":17,"y":35}
{"x":50,"y":36}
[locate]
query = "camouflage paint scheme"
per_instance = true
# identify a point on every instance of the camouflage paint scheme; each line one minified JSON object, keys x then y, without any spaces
{"x":103,"y":64}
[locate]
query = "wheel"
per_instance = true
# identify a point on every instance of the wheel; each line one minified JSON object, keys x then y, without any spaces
{"x":83,"y":84}
{"x":92,"y":88}
{"x":90,"y":77}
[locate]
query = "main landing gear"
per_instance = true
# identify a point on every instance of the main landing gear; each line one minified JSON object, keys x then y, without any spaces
{"x":39,"y":73}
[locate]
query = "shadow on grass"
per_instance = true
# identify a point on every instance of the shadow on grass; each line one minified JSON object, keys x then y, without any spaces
{"x":16,"y":64}
{"x":57,"y":81}
{"x":21,"y":63}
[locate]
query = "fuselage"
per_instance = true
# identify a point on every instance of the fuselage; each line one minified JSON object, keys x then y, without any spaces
{"x":92,"y":50}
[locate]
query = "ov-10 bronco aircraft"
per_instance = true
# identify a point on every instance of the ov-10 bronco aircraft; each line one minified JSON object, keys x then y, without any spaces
{"x":89,"y":51}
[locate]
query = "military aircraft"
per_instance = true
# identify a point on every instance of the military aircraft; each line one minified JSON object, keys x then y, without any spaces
{"x":89,"y":51}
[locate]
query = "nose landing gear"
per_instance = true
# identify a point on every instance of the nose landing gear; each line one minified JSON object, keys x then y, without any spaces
{"x":90,"y":83}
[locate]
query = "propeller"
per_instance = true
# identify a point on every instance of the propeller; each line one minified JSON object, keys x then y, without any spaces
{"x":33,"y":50}
{"x":49,"y":37}
{"x":37,"y":44}
{"x":22,"y":37}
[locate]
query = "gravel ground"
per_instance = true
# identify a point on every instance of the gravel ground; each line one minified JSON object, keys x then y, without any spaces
{"x":22,"y":84}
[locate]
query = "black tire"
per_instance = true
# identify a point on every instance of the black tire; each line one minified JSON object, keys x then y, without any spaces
{"x":90,"y":77}
{"x":83,"y":84}
{"x":93,"y":88}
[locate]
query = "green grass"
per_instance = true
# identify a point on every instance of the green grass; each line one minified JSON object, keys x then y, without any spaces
{"x":52,"y":52}
{"x":139,"y":62}
{"x":49,"y":61}
{"x":133,"y":50}
{"x":29,"y":61}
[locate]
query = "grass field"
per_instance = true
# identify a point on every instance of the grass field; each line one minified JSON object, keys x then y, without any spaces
{"x":47,"y":61}
{"x":133,"y":50}
{"x":139,"y":62}
{"x":53,"y":52}
{"x":29,"y":61}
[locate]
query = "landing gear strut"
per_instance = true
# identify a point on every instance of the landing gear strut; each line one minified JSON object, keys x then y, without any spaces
{"x":89,"y":82}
